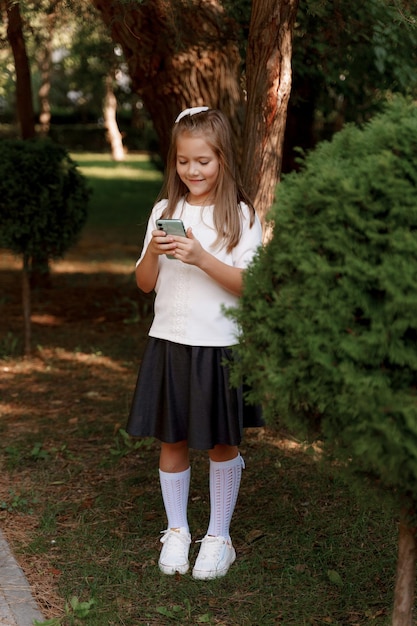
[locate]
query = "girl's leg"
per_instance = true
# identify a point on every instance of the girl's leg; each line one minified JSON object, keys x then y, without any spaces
{"x":216,"y":552}
{"x":174,"y":474}
{"x":225,"y":473}
{"x":174,"y":457}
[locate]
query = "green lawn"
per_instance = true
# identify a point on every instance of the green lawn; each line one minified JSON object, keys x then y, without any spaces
{"x":123,"y":193}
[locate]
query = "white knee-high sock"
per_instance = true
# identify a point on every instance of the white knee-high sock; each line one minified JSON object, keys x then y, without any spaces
{"x":224,"y":488}
{"x":175,"y":487}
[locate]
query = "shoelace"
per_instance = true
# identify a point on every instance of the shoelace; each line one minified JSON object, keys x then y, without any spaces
{"x":217,"y":542}
{"x":181,"y":537}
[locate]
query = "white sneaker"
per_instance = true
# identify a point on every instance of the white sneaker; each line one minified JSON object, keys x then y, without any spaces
{"x":174,"y":553}
{"x":214,"y":559}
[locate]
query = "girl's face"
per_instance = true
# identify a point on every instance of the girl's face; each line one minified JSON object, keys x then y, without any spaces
{"x":198,"y":167}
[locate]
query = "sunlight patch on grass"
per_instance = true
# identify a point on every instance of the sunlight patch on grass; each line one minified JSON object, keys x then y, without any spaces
{"x":105,"y":157}
{"x":9,"y":261}
{"x":92,"y":358}
{"x":72,"y":264}
{"x":109,"y":266}
{"x":47,"y":320}
{"x":135,"y":167}
{"x":118,"y":173}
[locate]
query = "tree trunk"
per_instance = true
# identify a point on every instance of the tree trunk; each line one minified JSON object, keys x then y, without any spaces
{"x":268,"y":82}
{"x":43,"y":41}
{"x":406,"y":572}
{"x":180,"y":54}
{"x":24,"y":101}
{"x":43,"y":94}
{"x":109,"y":112}
{"x":26,"y":302}
{"x":45,"y":64}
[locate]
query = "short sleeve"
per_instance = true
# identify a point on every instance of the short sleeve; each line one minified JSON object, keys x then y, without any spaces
{"x":250,"y":240}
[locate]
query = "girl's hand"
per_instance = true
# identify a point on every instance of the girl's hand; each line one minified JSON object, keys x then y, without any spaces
{"x":162,"y":243}
{"x":188,"y":249}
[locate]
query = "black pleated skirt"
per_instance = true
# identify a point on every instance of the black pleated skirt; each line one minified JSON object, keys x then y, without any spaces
{"x":184,"y":393}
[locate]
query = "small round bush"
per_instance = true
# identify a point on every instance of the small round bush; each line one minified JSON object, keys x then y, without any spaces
{"x":329,"y":310}
{"x":43,"y":198}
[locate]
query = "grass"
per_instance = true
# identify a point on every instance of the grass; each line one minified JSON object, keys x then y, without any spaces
{"x":80,"y":502}
{"x":122,"y":196}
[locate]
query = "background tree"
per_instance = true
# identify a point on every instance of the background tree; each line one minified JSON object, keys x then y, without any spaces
{"x":186,"y":53}
{"x":44,"y":17}
{"x":237,"y":55}
{"x":329,"y":332}
{"x":180,"y":53}
{"x":268,"y":84}
{"x":24,"y":102}
{"x":88,"y":55}
{"x":94,"y":62}
{"x":347,"y":57}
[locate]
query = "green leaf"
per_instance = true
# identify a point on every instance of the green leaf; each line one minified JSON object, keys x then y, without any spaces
{"x":334,"y":577}
{"x":162,"y":610}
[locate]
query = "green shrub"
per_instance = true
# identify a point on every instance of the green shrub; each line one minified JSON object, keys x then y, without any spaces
{"x":43,"y":198}
{"x":329,"y":310}
{"x":43,"y":206}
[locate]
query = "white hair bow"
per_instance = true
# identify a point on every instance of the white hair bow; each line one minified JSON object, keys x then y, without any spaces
{"x":191,"y":111}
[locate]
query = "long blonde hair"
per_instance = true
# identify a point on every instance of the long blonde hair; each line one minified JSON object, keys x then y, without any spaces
{"x":214,"y":126}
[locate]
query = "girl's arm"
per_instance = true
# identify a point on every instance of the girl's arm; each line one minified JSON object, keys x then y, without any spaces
{"x":227,"y":276}
{"x":147,"y":269}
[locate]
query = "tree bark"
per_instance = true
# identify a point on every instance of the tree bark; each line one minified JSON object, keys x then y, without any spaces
{"x":268,"y":82}
{"x":406,"y":572}
{"x":180,"y":54}
{"x":24,"y":101}
{"x":109,"y":113}
{"x":43,"y":93}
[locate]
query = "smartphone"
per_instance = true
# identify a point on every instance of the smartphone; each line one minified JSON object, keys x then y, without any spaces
{"x":171,"y":227}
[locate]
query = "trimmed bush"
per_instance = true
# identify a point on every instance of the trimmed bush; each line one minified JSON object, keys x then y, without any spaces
{"x":43,"y":206}
{"x":329,"y":310}
{"x":43,"y":198}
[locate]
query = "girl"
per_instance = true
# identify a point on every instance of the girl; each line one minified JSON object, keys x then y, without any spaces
{"x":183,"y":396}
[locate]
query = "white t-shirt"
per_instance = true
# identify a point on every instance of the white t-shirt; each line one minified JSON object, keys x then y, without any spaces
{"x":188,"y":303}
